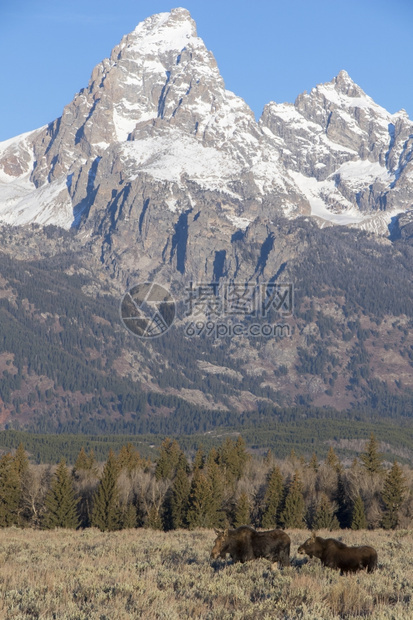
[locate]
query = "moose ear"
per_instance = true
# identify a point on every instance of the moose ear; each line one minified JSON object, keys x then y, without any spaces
{"x":313,"y":535}
{"x":217,"y":532}
{"x":225,"y":532}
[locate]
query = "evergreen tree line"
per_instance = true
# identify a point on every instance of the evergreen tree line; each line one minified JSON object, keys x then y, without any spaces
{"x":223,"y":487}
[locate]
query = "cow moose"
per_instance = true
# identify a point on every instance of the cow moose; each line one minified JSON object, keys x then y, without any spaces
{"x":336,"y":554}
{"x":245,"y":543}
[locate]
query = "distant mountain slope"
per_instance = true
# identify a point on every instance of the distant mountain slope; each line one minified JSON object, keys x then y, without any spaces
{"x":68,"y":364}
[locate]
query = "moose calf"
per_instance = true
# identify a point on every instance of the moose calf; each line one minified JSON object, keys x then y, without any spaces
{"x":336,"y":554}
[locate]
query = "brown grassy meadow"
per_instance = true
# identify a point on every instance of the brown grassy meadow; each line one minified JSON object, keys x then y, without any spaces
{"x":142,"y":573}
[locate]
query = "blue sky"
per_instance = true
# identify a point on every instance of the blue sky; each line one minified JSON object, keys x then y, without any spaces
{"x":267,"y":50}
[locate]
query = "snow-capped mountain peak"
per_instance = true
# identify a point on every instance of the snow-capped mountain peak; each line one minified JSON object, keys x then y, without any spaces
{"x":162,"y":33}
{"x":157,"y":112}
{"x":345,"y":152}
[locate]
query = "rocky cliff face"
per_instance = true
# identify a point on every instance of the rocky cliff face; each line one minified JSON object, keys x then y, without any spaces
{"x":157,"y":165}
{"x":349,"y":156}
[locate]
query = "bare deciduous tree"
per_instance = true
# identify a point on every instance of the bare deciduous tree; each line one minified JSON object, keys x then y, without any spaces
{"x":35,"y":484}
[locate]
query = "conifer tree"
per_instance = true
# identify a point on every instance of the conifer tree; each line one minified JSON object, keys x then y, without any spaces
{"x":272,"y":499}
{"x":129,"y":458}
{"x":82,"y":460}
{"x":199,"y":460}
{"x":242,"y":514}
{"x":371,"y":458}
{"x":294,"y":507}
{"x":392,"y":495}
{"x":212,"y":457}
{"x":293,"y":456}
{"x":85,"y":477}
{"x":171,"y":458}
{"x":85,"y":463}
{"x":10,"y":491}
{"x":268,"y":459}
{"x":216,"y":481}
{"x":60,"y":501}
{"x":242,"y":455}
{"x":178,"y":503}
{"x":92,"y":463}
{"x":21,"y":465}
{"x":345,"y":508}
{"x":324,"y":517}
{"x":200,"y":501}
{"x":313,"y":463}
{"x":21,"y":461}
{"x":233,"y":458}
{"x":106,"y":513}
{"x":332,"y":460}
{"x":129,"y":516}
{"x":358,"y":521}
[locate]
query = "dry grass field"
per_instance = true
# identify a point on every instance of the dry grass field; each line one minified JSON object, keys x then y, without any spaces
{"x":141,"y":573}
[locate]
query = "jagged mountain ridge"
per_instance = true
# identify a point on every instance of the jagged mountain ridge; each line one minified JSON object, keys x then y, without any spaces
{"x":157,"y":107}
{"x":348,"y":155}
{"x":155,"y":143}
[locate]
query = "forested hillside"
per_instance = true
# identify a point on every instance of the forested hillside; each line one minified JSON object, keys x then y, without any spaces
{"x":67,"y":364}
